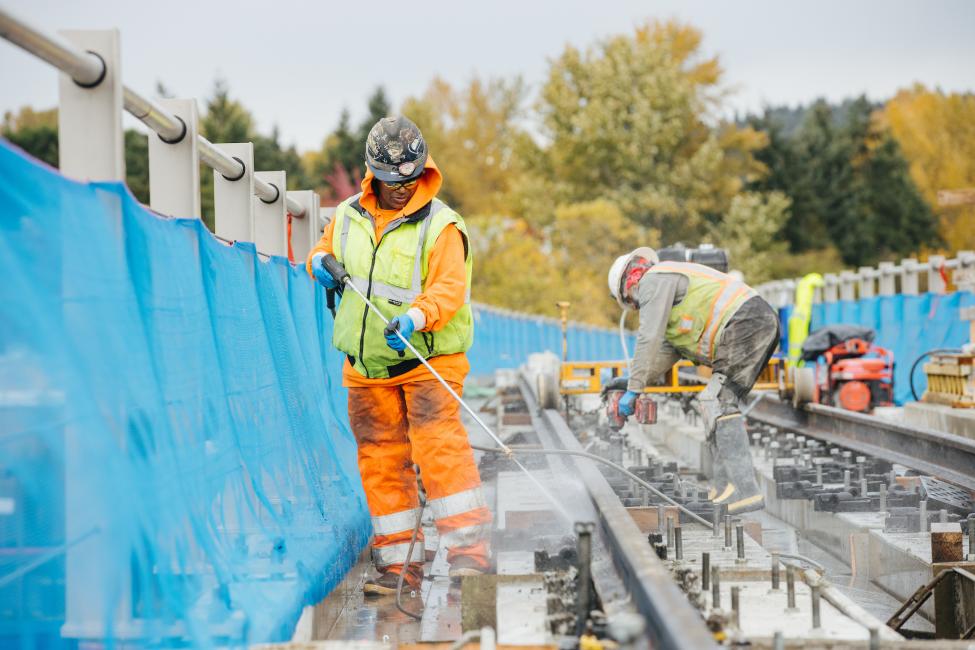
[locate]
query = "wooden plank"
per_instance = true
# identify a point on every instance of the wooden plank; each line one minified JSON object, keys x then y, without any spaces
{"x":647,"y":519}
{"x":951,"y":198}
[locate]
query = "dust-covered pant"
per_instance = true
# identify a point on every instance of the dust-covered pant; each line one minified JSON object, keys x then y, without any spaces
{"x":745,"y":347}
{"x":418,"y":422}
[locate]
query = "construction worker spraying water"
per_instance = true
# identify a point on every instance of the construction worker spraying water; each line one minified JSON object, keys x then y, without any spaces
{"x":408,"y":253}
{"x":694,"y":312}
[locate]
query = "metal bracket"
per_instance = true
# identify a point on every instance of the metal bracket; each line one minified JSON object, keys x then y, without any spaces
{"x":919,"y":597}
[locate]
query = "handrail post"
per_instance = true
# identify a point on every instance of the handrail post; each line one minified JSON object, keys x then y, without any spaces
{"x":847,"y":285}
{"x":91,"y":145}
{"x":270,"y":224}
{"x":888,"y":283}
{"x":789,"y":292}
{"x":174,"y":165}
{"x":909,"y":280}
{"x":936,"y":283}
{"x":304,"y":231}
{"x":233,"y":207}
{"x":830,"y":287}
{"x":866,"y":274}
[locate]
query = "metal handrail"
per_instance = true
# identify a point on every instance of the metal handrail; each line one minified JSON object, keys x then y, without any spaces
{"x":963,"y":259}
{"x":87,"y":68}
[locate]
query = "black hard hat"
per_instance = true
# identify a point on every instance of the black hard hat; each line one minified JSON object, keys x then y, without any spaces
{"x":396,"y":150}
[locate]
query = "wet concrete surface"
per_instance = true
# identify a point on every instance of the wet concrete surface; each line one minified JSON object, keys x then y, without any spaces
{"x":780,"y":537}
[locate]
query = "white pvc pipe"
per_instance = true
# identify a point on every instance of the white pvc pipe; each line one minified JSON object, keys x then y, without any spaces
{"x":87,"y":68}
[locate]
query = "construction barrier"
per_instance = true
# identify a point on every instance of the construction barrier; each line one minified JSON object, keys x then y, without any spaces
{"x":504,"y":339}
{"x":176,"y":466}
{"x":907,"y":325}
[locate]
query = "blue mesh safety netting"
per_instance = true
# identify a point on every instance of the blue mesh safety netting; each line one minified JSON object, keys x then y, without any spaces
{"x":176,"y":466}
{"x":504,"y":339}
{"x":908,"y":326}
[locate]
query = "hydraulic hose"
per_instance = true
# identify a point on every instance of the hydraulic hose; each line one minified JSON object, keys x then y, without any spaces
{"x":803,"y":558}
{"x":910,"y":377}
{"x":517,"y":449}
{"x":626,"y":351}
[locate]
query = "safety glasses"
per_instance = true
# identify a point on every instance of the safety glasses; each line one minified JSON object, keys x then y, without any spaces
{"x":409,"y":185}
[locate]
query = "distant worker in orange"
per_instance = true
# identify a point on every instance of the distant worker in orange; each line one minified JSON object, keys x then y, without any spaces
{"x":410,"y":253}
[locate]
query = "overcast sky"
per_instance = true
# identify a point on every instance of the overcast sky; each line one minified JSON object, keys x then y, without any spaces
{"x":296,"y":64}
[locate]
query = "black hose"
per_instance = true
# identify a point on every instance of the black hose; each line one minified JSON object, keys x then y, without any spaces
{"x":910,"y":377}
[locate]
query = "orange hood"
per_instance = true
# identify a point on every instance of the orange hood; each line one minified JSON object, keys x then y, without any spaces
{"x":426,"y":190}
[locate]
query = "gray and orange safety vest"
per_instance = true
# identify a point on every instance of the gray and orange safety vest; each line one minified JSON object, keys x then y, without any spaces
{"x":695,"y":325}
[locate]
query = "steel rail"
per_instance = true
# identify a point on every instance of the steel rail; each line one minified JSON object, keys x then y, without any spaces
{"x":943,"y":455}
{"x":673,"y":623}
{"x":87,"y":69}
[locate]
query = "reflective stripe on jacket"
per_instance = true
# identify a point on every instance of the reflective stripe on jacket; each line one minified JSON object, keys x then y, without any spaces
{"x":696,"y":323}
{"x":392,"y":272}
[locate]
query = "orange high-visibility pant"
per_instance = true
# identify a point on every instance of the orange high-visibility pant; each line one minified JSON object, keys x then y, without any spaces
{"x":418,"y":422}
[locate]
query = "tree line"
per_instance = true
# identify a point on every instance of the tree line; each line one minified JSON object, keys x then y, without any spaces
{"x":625,"y":143}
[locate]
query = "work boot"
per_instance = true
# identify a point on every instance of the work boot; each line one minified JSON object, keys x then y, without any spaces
{"x":464,"y":565}
{"x":710,"y":409}
{"x":719,"y":478}
{"x":742,"y":493}
{"x":385,"y":584}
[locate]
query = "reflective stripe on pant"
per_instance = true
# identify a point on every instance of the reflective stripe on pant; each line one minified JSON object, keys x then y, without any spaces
{"x":418,"y":422}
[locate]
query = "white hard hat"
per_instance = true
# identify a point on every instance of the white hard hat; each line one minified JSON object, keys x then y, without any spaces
{"x":618,"y":268}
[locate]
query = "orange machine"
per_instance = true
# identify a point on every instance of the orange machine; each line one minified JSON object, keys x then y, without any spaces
{"x":857,"y":376}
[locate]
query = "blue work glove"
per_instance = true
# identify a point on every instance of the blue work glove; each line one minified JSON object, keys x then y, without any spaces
{"x":628,"y":403}
{"x":321,"y":273}
{"x":405,"y":325}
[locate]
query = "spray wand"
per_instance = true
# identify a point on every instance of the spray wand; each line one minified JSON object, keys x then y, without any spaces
{"x":342,"y":276}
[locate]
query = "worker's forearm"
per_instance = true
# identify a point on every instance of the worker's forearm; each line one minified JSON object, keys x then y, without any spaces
{"x":323,"y":247}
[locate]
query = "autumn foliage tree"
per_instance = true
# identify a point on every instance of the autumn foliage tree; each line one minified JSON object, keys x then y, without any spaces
{"x":625,"y":153}
{"x":622,"y":145}
{"x":936,"y":133}
{"x":628,"y":121}
{"x":476,"y":133}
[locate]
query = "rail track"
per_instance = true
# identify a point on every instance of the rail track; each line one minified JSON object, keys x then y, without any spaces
{"x":650,"y":581}
{"x":948,"y":457}
{"x":672,"y":623}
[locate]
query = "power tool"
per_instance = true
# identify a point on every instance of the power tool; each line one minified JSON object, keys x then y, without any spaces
{"x":644,"y":409}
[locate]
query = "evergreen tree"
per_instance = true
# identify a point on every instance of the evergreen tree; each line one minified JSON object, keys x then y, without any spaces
{"x":36,"y":132}
{"x":340,"y":150}
{"x":379,"y":107}
{"x":849,"y":185}
{"x":901,"y":221}
{"x":825,"y":202}
{"x":270,"y":154}
{"x":226,"y":119}
{"x":137,"y":164}
{"x":341,"y":160}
